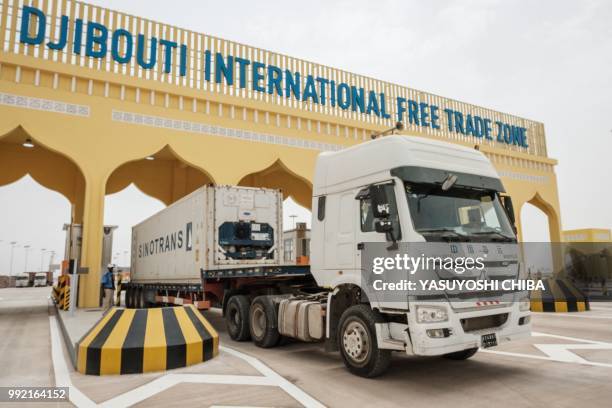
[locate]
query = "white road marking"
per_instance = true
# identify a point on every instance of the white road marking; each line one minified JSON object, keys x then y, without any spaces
{"x":556,"y":336}
{"x":281,"y":381}
{"x":561,"y":352}
{"x":580,"y":316}
{"x":608,"y":309}
{"x":269,"y":377}
{"x":62,"y":375}
{"x":160,"y":384}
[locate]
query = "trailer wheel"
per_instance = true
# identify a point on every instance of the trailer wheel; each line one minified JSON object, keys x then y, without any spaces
{"x":237,"y":318}
{"x":357,"y":342}
{"x":141,"y":298}
{"x":128,"y":297}
{"x":462,"y":354}
{"x":263,"y":320}
{"x":138,"y":298}
{"x":147,"y":295}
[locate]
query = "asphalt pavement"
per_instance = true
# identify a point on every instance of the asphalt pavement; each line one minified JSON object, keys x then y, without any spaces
{"x":567,"y":363}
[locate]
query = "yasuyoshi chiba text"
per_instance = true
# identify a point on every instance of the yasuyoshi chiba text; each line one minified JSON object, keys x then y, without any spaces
{"x":509,"y":285}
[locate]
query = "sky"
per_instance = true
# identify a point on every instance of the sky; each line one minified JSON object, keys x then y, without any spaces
{"x":549,"y":61}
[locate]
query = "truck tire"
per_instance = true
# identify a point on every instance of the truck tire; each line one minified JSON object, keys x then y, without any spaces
{"x":263,"y":322}
{"x":147,"y":295}
{"x":129,"y":301}
{"x":357,"y":342}
{"x":237,"y":318}
{"x":462,"y":354}
{"x":138,"y":298}
{"x":127,"y":297}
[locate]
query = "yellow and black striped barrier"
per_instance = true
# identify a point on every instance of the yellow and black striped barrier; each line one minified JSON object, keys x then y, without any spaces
{"x":66,"y":298}
{"x":559,"y":295}
{"x":55,"y":293}
{"x":130,"y":341}
{"x":61,"y":292}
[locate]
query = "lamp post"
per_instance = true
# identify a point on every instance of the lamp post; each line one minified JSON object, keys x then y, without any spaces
{"x":13,"y":244}
{"x":27,"y":250}
{"x":42,"y":255}
{"x":51,"y":259}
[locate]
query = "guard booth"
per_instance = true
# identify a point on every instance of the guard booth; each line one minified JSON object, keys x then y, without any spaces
{"x":73,"y":247}
{"x":296,"y":245}
{"x":74,"y":243}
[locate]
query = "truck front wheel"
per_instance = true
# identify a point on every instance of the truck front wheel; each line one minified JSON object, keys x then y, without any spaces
{"x":237,"y":317}
{"x":461,"y":355}
{"x":263,"y":322}
{"x":357,"y":342}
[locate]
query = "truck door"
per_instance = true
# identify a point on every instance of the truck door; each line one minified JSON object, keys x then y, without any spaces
{"x":366,"y":230}
{"x":339,"y":248}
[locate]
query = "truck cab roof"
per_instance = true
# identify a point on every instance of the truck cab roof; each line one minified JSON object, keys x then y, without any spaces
{"x":402,"y":155}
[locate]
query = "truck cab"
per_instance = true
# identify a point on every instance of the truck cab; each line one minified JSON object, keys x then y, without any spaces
{"x":430,"y":192}
{"x":40,"y":279}
{"x":21,"y":282}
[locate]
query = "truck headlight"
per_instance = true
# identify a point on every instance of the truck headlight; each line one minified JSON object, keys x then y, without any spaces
{"x":524,"y":304}
{"x":431,"y":314}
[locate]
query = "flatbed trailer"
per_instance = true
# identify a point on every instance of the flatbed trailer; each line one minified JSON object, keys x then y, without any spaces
{"x":217,"y":284}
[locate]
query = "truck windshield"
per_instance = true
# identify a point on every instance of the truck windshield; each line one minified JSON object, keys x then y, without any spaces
{"x":465,"y":214}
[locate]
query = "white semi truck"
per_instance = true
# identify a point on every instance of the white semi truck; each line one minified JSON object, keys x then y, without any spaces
{"x":40,"y":279}
{"x":389,"y":191}
{"x":22,"y":281}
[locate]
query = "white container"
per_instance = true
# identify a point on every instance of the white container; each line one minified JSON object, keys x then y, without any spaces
{"x":175,"y":244}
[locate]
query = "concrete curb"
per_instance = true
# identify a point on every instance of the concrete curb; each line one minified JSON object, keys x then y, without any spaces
{"x":67,"y":342}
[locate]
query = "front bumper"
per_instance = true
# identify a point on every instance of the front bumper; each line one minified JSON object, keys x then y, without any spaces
{"x":413,"y":338}
{"x":459,"y":339}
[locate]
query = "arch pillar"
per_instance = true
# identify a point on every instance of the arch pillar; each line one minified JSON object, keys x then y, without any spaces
{"x":519,"y":223}
{"x":91,"y":249}
{"x":554,"y":227}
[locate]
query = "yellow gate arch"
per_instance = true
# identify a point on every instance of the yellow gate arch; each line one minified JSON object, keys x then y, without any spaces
{"x":105,"y":110}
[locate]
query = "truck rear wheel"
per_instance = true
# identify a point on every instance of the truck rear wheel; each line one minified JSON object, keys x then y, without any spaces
{"x":461,"y":355}
{"x":357,"y":342}
{"x":263,"y":320}
{"x":129,"y":297}
{"x":138,"y":298}
{"x":237,"y":317}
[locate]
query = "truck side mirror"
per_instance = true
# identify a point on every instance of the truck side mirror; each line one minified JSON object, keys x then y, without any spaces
{"x":380,"y":201}
{"x":509,"y":207}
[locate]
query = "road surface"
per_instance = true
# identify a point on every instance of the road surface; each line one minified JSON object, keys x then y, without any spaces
{"x":567,"y":363}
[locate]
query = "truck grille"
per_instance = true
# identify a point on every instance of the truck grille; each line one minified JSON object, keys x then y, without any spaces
{"x":483,"y":322}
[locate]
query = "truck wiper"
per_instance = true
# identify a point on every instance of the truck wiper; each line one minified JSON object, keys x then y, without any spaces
{"x":504,"y":237}
{"x":447,"y":233}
